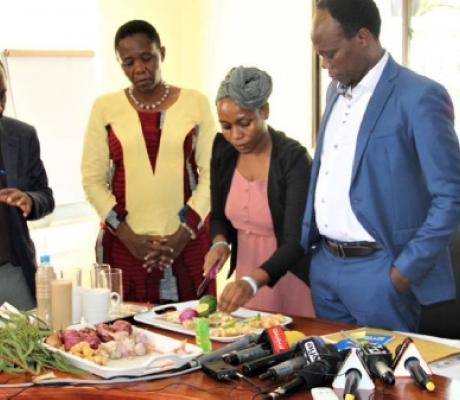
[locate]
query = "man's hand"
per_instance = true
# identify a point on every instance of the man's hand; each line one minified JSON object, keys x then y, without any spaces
{"x":400,"y":282}
{"x":16,"y":198}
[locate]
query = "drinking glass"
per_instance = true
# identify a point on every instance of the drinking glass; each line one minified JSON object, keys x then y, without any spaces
{"x":112,"y":279}
{"x":74,"y":275}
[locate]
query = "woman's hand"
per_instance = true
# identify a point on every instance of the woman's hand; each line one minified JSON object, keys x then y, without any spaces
{"x":16,"y":198}
{"x":160,"y":257}
{"x":138,"y":245}
{"x":237,"y":294}
{"x":217,"y":254}
{"x":177,"y":241}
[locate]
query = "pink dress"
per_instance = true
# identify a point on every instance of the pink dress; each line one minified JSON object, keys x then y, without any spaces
{"x":248,"y":210}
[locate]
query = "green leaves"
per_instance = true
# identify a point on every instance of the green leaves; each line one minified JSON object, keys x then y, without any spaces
{"x":21,"y":348}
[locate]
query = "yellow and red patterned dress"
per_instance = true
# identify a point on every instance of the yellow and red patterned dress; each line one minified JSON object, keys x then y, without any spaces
{"x":153,"y":170}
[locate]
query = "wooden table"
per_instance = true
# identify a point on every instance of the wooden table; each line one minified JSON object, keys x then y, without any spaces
{"x":197,"y":385}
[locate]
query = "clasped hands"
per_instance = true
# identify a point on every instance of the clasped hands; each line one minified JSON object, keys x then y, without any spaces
{"x":16,"y":198}
{"x":155,"y":251}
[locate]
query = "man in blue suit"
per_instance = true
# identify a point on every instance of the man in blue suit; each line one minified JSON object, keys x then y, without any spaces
{"x":384,"y":194}
{"x":24,"y":195}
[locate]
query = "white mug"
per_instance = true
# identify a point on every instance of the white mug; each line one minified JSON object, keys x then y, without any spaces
{"x":96,"y":304}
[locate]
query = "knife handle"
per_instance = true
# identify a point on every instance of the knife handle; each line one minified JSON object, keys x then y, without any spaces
{"x":213,"y":270}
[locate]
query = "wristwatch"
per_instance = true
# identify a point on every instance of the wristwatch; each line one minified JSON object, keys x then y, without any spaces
{"x":112,"y":220}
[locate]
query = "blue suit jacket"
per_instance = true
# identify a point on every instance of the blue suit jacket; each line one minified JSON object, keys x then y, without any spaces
{"x":24,"y":171}
{"x":405,"y":185}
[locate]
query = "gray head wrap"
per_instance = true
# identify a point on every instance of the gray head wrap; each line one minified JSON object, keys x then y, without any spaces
{"x":248,"y":87}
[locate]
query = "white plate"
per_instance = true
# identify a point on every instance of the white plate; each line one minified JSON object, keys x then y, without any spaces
{"x":126,"y":310}
{"x":141,"y":365}
{"x":152,"y":318}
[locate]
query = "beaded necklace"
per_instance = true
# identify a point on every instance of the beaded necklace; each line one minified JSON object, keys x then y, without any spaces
{"x":152,"y":106}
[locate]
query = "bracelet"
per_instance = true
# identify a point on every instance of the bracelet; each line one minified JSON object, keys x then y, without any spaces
{"x":189,"y":230}
{"x":220,"y":243}
{"x":252,"y":282}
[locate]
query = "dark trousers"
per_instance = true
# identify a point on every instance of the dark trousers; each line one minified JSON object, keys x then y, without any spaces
{"x":14,"y":289}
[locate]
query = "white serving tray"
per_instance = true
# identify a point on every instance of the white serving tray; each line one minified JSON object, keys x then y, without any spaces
{"x":140,"y":365}
{"x":157,"y":320}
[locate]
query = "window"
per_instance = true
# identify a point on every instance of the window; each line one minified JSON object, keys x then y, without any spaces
{"x":434,"y":45}
{"x":421,"y":34}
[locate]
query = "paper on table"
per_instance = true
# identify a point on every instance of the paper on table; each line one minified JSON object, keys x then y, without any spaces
{"x":431,"y":351}
{"x":449,"y":367}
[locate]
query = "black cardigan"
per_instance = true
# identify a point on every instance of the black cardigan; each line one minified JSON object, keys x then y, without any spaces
{"x":288,"y":180}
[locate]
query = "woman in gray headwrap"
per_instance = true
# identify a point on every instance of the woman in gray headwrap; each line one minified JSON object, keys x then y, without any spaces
{"x":259,"y":183}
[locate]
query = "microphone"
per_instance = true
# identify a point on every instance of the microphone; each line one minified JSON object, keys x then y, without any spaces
{"x":412,"y":364}
{"x":284,"y":369}
{"x":244,"y":342}
{"x":352,"y":378}
{"x":272,"y":340}
{"x":251,"y":353}
{"x":307,"y":351}
{"x":318,"y":373}
{"x":378,"y":359}
{"x":400,"y":350}
{"x":254,"y":367}
{"x":408,"y":361}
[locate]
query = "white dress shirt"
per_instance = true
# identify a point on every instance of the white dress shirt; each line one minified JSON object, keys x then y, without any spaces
{"x":334,"y":215}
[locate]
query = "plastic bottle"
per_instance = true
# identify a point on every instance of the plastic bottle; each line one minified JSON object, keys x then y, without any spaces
{"x":43,"y":276}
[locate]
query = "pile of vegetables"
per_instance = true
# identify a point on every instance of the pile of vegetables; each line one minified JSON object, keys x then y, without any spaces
{"x":21,"y":348}
{"x":206,"y":306}
{"x":104,"y":342}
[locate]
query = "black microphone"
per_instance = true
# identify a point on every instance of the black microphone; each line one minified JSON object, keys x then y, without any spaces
{"x":307,"y":351}
{"x":284,"y":369}
{"x":412,"y":364}
{"x":254,"y":367}
{"x":244,"y":342}
{"x":318,"y":373}
{"x":400,"y":350}
{"x":251,"y":353}
{"x":272,"y":340}
{"x":259,"y":365}
{"x":378,"y":359}
{"x":312,"y":348}
{"x":352,"y":379}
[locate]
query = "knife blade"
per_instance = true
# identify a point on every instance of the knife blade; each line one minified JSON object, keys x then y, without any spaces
{"x":209,"y":277}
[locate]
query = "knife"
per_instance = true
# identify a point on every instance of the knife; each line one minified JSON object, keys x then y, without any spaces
{"x":209,"y":277}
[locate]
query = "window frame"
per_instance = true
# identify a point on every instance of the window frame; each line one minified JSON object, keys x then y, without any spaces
{"x":317,"y":93}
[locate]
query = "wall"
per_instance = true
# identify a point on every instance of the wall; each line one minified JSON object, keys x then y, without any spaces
{"x":180,"y":25}
{"x":203,"y":39}
{"x":55,"y":24}
{"x":48,"y":24}
{"x":271,"y":35}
